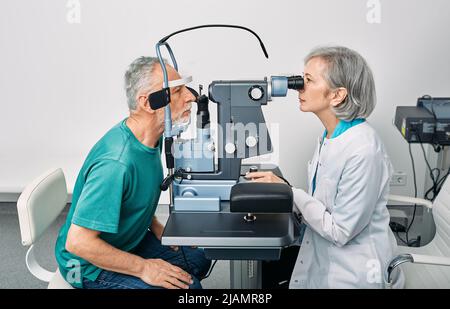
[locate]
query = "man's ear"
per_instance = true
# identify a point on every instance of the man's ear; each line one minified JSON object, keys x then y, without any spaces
{"x":338,"y":96}
{"x":144,"y":104}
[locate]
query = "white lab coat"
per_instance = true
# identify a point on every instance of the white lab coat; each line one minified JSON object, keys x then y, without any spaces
{"x":347,"y":241}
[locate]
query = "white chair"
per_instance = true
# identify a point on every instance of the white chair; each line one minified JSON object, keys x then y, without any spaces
{"x":38,"y":206}
{"x":427,"y":266}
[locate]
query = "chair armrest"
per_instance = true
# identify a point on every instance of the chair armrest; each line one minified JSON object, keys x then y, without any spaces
{"x":430,"y":260}
{"x":416,"y":259}
{"x":411,"y":200}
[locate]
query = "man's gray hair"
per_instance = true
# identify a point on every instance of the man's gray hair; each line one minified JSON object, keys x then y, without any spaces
{"x":138,"y":78}
{"x":348,"y":69}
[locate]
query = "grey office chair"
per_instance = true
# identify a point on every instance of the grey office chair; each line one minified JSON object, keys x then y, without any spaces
{"x":427,"y":266}
{"x":38,"y":206}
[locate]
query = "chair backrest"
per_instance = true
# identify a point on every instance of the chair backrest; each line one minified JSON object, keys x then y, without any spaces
{"x":40,"y":204}
{"x":441,"y":216}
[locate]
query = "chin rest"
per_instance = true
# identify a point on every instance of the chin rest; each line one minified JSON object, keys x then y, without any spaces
{"x":251,"y":197}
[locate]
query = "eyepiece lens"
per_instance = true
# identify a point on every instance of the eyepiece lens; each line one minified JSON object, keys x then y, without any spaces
{"x":295,"y":82}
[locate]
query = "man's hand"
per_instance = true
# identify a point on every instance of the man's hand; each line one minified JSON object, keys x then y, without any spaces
{"x":158,"y":229}
{"x":87,"y":244}
{"x":157,"y":272}
{"x":267,"y":177}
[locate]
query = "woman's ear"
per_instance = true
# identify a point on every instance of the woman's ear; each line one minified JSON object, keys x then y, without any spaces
{"x":339,"y":96}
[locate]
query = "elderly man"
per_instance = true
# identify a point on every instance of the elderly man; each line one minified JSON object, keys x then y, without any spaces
{"x":111,"y":238}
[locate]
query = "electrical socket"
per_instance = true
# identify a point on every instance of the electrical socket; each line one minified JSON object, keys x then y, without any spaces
{"x":398,"y":179}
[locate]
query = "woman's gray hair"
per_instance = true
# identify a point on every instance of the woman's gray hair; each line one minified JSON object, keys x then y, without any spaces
{"x":348,"y":69}
{"x":138,"y":78}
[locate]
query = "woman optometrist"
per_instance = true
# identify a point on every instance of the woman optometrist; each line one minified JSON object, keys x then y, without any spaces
{"x":347,"y":242}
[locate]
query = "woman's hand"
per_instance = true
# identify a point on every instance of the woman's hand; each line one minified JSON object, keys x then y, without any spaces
{"x":267,"y":177}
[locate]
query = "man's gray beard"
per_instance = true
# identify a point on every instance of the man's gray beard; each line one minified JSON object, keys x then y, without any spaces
{"x":181,"y":123}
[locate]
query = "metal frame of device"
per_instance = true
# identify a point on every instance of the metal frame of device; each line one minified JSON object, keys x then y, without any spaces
{"x":223,"y":235}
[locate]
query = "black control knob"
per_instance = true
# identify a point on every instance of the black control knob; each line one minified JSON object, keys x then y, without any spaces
{"x":253,"y":169}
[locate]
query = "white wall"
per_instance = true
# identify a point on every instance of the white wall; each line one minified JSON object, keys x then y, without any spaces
{"x":61,"y":83}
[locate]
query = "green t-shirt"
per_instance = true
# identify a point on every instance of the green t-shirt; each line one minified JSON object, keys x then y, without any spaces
{"x":116,"y":193}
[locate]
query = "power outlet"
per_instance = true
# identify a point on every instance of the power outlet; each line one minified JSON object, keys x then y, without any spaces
{"x":398,"y":179}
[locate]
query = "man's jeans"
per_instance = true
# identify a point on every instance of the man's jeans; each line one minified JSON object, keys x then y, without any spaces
{"x":150,"y":247}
